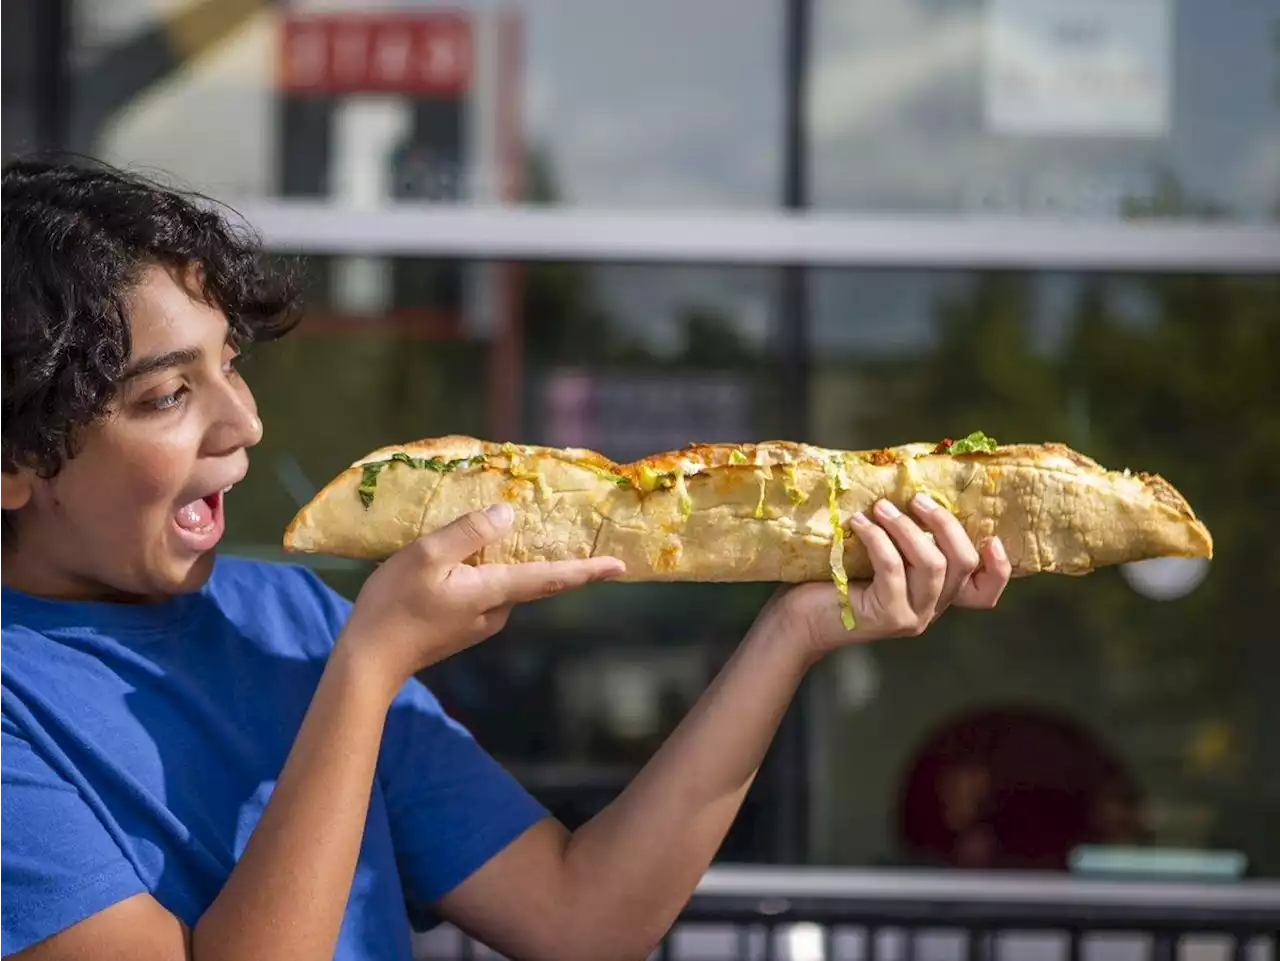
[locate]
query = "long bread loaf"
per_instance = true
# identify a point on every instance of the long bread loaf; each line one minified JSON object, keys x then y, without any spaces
{"x":773,"y":511}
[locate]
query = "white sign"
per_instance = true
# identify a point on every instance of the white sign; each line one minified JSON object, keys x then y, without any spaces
{"x":1079,"y":67}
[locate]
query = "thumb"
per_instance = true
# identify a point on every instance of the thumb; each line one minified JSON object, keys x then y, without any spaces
{"x":468,"y":535}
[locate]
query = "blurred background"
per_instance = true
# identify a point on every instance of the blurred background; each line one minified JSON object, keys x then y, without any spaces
{"x":628,"y":226}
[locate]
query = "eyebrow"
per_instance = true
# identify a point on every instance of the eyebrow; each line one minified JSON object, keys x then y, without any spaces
{"x":174,"y":358}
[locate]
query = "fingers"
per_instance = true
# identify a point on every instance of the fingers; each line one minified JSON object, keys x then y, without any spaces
{"x":918,"y":571}
{"x":492,"y":621}
{"x":959,"y":556}
{"x":985,"y":587}
{"x":468,"y":535}
{"x":499,"y":586}
{"x":886,"y":560}
{"x":923,"y":568}
{"x":973,"y":580}
{"x":927,"y":568}
{"x":887,"y":599}
{"x":506,"y":584}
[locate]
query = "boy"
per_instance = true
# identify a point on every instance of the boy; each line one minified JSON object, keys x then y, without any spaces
{"x":214,"y":758}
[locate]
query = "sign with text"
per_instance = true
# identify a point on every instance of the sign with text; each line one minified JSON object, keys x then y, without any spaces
{"x":1084,"y":67}
{"x":424,"y":54}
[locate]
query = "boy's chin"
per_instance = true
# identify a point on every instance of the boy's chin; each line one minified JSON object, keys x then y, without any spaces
{"x":192,"y":575}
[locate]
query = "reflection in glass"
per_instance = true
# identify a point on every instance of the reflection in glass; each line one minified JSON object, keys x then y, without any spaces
{"x":1026,"y":107}
{"x":1088,"y":109}
{"x":620,"y":104}
{"x":1173,"y":375}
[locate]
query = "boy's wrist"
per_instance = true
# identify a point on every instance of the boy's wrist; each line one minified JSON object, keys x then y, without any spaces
{"x":356,"y":670}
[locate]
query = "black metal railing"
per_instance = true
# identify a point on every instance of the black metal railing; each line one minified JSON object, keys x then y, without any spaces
{"x":802,"y":914}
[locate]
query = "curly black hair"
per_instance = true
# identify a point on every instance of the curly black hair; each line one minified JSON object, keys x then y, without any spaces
{"x":78,"y":234}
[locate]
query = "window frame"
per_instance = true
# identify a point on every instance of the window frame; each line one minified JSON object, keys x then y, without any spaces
{"x":765,"y":238}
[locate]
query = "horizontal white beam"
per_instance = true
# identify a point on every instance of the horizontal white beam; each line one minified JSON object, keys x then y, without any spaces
{"x":751,"y":881}
{"x":762,"y":238}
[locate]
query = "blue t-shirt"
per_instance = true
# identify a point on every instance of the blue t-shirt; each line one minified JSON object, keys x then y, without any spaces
{"x":141,"y":744}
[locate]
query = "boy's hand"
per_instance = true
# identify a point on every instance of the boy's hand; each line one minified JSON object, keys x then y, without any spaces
{"x":921,"y":568}
{"x":427,"y":603}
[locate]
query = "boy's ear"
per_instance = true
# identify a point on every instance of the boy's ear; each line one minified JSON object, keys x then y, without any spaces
{"x":15,"y":489}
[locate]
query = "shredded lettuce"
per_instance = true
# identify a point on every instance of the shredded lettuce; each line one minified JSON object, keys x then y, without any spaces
{"x":369,"y":481}
{"x":682,"y":492}
{"x":975,"y":443}
{"x":370,"y":472}
{"x":838,"y":483}
{"x":608,"y":475}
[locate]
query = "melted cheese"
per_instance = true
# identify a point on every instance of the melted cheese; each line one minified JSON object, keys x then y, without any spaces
{"x":792,"y":486}
{"x":517,"y":470}
{"x":913,"y":483}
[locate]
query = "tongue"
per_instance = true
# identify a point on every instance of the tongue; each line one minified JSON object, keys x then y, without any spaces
{"x":194,"y":516}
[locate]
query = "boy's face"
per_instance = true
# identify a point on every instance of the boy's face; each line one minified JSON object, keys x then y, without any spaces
{"x":137,"y":512}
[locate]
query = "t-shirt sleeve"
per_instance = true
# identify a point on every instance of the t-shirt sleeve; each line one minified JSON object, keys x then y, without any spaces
{"x":60,"y":865}
{"x":451,"y":805}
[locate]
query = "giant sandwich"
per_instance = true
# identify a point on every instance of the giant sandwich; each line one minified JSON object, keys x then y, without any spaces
{"x":773,"y":511}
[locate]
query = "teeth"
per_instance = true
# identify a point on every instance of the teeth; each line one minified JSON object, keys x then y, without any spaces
{"x":227,"y":488}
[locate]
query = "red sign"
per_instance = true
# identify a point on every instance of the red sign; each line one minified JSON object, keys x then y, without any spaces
{"x":409,"y":53}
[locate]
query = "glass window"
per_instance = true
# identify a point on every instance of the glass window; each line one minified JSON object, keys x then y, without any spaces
{"x":606,"y":103}
{"x":1088,"y":109}
{"x":1132,"y":706}
{"x":1028,"y":107}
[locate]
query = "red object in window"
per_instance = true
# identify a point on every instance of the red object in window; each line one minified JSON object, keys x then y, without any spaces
{"x":1014,"y":788}
{"x":409,"y":53}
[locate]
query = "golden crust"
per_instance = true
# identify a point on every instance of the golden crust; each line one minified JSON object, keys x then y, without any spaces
{"x":450,"y":446}
{"x":750,"y":512}
{"x":327,"y":524}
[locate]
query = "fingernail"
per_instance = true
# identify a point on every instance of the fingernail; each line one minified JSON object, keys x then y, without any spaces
{"x":925,"y":502}
{"x":888,"y":510}
{"x":861,"y":519}
{"x":501,"y":514}
{"x":997,"y":548}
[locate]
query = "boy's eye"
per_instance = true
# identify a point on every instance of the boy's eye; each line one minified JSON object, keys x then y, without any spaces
{"x":167,"y":401}
{"x":176,"y":398}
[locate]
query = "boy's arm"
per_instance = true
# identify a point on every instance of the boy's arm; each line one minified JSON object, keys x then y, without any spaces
{"x":613,"y":888}
{"x":287,"y":895}
{"x":136,"y":929}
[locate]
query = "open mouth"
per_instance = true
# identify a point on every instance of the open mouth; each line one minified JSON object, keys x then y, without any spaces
{"x":201,"y":520}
